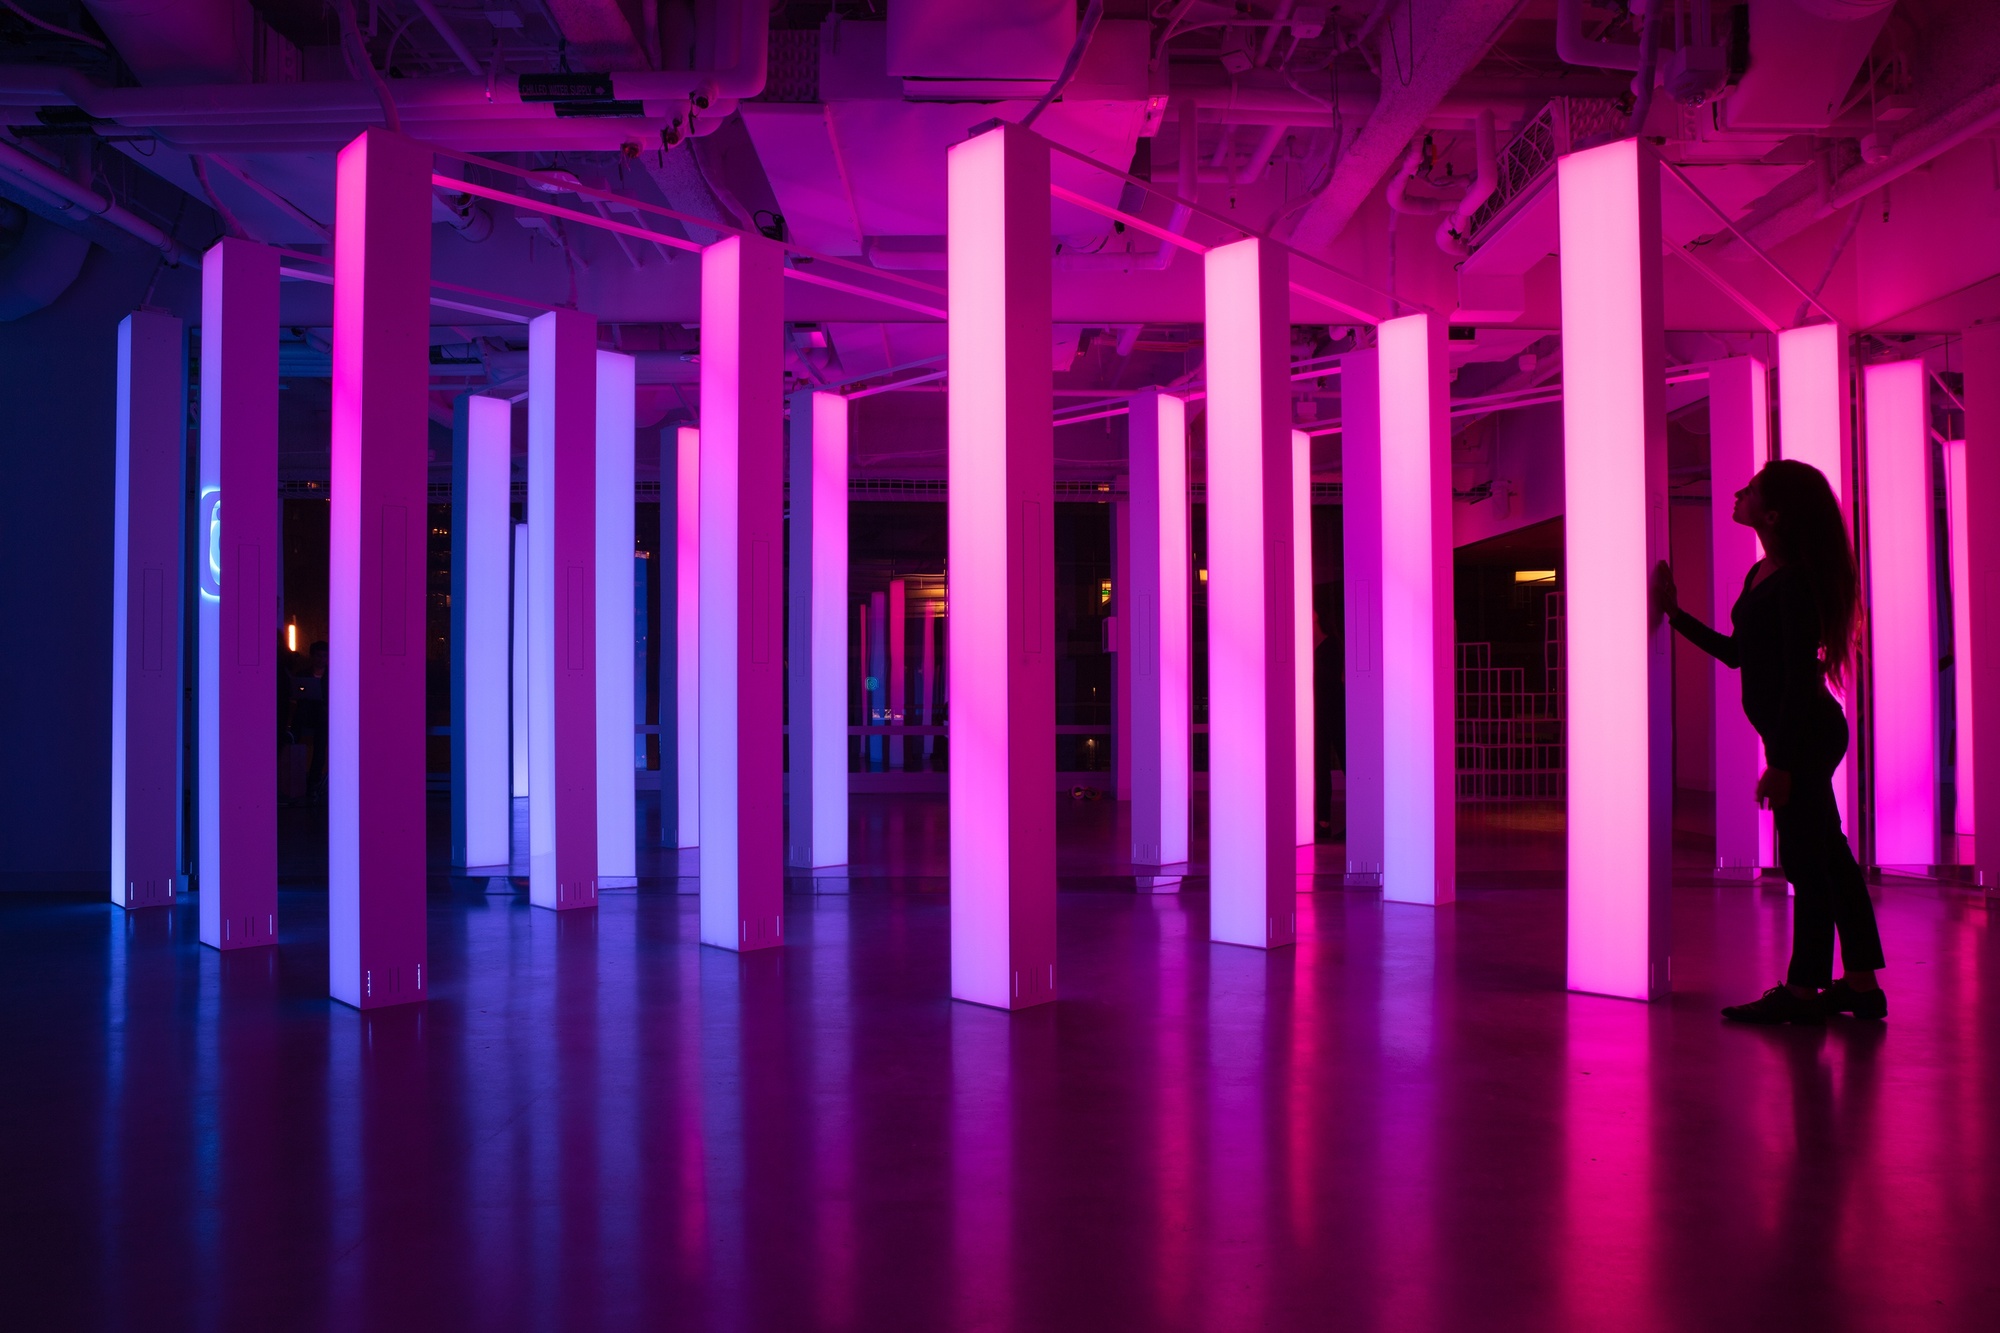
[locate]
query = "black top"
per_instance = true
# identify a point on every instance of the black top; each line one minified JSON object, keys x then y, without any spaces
{"x":1776,"y":645}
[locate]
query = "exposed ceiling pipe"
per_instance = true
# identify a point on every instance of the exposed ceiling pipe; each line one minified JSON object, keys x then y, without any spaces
{"x":451,"y":38}
{"x":1397,"y":194}
{"x":1279,"y":14}
{"x":1573,"y":49}
{"x":1261,"y":158}
{"x":1093,"y":14}
{"x":1451,"y":232}
{"x":83,"y":203}
{"x":276,"y":200}
{"x":1648,"y":14}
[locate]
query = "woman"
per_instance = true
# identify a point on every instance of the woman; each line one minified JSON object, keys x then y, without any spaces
{"x":1794,"y":629}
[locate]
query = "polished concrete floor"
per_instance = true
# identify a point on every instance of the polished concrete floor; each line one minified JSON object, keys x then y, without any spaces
{"x":1404,"y":1123}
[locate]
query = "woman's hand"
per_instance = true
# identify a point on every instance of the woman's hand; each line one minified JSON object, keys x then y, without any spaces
{"x":1665,"y":599}
{"x":1774,"y":788}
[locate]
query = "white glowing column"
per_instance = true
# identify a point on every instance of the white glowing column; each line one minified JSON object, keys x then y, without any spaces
{"x":742,"y":591}
{"x":1253,"y":818}
{"x":617,"y":815}
{"x":687,"y":638}
{"x":1982,"y":591}
{"x":1902,"y":613}
{"x":146,"y":611}
{"x":518,"y":720}
{"x":818,"y":616}
{"x":1815,"y":426}
{"x":1738,"y":445}
{"x":238,"y":616}
{"x":1620,"y":705}
{"x":481,"y":531}
{"x":1302,"y":637}
{"x":1001,"y":557}
{"x":1361,"y":579}
{"x":562,"y":598}
{"x":1155,"y":599}
{"x":1956,"y":518}
{"x":1419,"y":796}
{"x":375,"y":685}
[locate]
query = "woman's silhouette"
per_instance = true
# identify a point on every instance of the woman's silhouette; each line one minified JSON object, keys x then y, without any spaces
{"x":1794,"y":629}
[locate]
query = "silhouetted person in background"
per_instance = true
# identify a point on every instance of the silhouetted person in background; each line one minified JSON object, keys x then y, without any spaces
{"x":1794,"y":629}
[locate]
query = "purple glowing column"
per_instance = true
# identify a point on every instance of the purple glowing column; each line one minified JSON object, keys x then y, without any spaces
{"x":481,"y":534}
{"x":1902,"y":613}
{"x":1302,"y":638}
{"x":1001,"y":551}
{"x":1251,"y":634}
{"x":1419,"y":799}
{"x":1155,"y":599}
{"x":817,"y":607}
{"x":687,"y":637}
{"x":617,"y":814}
{"x":1620,"y":708}
{"x":238,"y":615}
{"x":381,"y":446}
{"x":1361,"y":579}
{"x":1982,"y":591}
{"x":562,"y":597}
{"x":146,"y":611}
{"x":742,"y":594}
{"x":1738,"y":445}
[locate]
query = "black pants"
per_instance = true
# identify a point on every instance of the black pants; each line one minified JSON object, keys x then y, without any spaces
{"x":1829,"y":891}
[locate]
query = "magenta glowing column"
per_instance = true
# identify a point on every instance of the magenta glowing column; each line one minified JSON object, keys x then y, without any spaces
{"x":1738,"y":445}
{"x":146,"y":610}
{"x":897,"y":627}
{"x":1155,"y":600}
{"x":518,"y":680}
{"x":1302,"y":635}
{"x":1001,"y":557}
{"x":1620,"y":731}
{"x":617,"y":813}
{"x":817,"y":606}
{"x":1982,"y":591}
{"x":1252,"y":740}
{"x":687,"y":637}
{"x":1964,"y":800}
{"x":238,"y":579}
{"x":1902,"y":613}
{"x":562,"y":600}
{"x":1419,"y":796}
{"x":381,"y":446}
{"x":481,"y":535}
{"x":1361,"y":580}
{"x":742,"y":592}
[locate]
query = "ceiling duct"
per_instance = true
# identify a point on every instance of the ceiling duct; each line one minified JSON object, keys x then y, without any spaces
{"x":180,"y":42}
{"x":38,"y":261}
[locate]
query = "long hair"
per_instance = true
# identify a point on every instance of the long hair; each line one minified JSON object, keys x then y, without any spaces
{"x":1811,"y":535}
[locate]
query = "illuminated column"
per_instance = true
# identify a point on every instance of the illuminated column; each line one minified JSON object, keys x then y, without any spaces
{"x":1120,"y":646}
{"x":1982,"y":591}
{"x":933,"y":687}
{"x":481,"y":532}
{"x":1738,"y":445}
{"x":1902,"y":613}
{"x":238,"y":616}
{"x":381,"y":448}
{"x":1253,"y":816}
{"x":1956,"y":518}
{"x":1302,"y":637}
{"x":1815,"y":425}
{"x":617,"y":814}
{"x":742,"y":594}
{"x":562,"y":598}
{"x":817,"y":607}
{"x":1419,"y":777}
{"x":1620,"y":731}
{"x":518,"y":721}
{"x":1155,"y":599}
{"x":1361,"y":579}
{"x":146,"y":610}
{"x":896,"y":633}
{"x":1001,"y":556}
{"x":687,"y":638}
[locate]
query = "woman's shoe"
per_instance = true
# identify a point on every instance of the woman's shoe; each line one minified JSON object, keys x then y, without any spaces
{"x":1778,"y":1005}
{"x":1841,"y":998}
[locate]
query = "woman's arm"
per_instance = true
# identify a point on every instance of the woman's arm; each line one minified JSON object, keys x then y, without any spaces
{"x":1722,"y":647}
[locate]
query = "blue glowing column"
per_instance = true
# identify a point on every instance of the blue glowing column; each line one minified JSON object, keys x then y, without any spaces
{"x":1738,"y":445}
{"x":381,"y":449}
{"x":742,"y":594}
{"x":146,"y":610}
{"x":1153,"y":606}
{"x":1620,"y":732}
{"x":1981,"y":473}
{"x":817,"y":607}
{"x":1361,"y":591}
{"x":1001,"y":551}
{"x":562,"y":597}
{"x":617,"y":826}
{"x":238,"y":566}
{"x":1252,"y":740}
{"x":481,"y":537}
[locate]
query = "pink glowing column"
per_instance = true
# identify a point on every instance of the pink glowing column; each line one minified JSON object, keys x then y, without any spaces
{"x":1119,"y":627}
{"x":1302,"y":635}
{"x":481,"y":534}
{"x":1815,"y":426}
{"x":381,"y":445}
{"x":1738,"y":445}
{"x":897,"y":633}
{"x":562,"y":599}
{"x":1902,"y":613}
{"x":1982,"y":590}
{"x":1956,"y":520}
{"x":742,"y":594}
{"x":617,"y":813}
{"x":687,"y":637}
{"x":1620,"y":705}
{"x":1002,"y":553}
{"x":817,"y":607}
{"x":1361,"y":591}
{"x":238,"y":615}
{"x":518,"y":680}
{"x":1419,"y":799}
{"x":1252,"y":742}
{"x":146,"y":610}
{"x":1153,"y":608}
